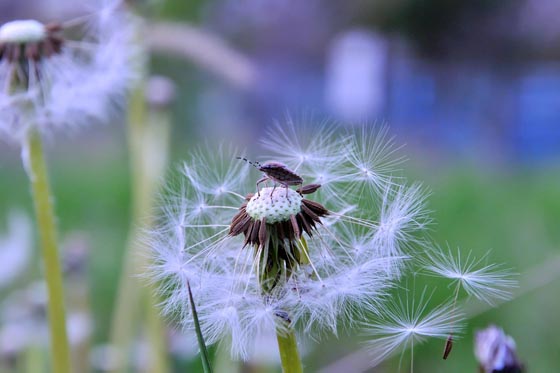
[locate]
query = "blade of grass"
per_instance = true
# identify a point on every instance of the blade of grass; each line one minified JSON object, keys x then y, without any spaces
{"x":203,"y":350}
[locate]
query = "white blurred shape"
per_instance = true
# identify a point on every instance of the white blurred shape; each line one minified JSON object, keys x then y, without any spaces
{"x":15,"y":248}
{"x":356,"y":75}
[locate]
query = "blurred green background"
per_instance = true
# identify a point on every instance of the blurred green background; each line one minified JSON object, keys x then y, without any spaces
{"x":480,"y":120}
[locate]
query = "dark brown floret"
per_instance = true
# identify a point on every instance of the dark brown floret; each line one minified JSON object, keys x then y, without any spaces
{"x":308,"y":189}
{"x":278,"y":244}
{"x":305,"y":221}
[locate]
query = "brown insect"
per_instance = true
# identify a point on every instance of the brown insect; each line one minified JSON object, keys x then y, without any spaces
{"x":278,"y":172}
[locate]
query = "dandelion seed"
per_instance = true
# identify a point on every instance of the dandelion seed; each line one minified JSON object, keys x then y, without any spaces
{"x":405,"y":323}
{"x":487,"y":283}
{"x":402,"y":214}
{"x":373,"y":158}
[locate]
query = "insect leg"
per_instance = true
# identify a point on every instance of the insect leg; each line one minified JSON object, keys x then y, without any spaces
{"x":273,"y":189}
{"x":263,"y":179}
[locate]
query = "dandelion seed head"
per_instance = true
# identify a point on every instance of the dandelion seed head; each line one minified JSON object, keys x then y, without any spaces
{"x":257,"y":258}
{"x":316,"y":257}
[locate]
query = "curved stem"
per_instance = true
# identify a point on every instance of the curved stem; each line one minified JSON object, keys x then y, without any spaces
{"x":289,"y":354}
{"x":37,"y":171}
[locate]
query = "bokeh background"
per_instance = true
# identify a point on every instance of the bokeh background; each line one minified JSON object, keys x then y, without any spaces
{"x":471,"y":88}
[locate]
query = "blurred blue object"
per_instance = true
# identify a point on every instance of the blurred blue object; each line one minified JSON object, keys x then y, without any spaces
{"x":536,"y":129}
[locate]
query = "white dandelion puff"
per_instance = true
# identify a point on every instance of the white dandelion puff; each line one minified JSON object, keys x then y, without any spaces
{"x":64,"y":75}
{"x":373,"y":158}
{"x":486,"y":282}
{"x":346,"y":163}
{"x":403,"y":212}
{"x":304,"y":145}
{"x":313,"y":257}
{"x":309,"y":257}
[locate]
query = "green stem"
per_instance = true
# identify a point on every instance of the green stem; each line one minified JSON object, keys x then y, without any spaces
{"x":156,"y":335}
{"x":289,"y":355}
{"x":149,"y":144}
{"x":127,"y":300}
{"x":37,"y":171}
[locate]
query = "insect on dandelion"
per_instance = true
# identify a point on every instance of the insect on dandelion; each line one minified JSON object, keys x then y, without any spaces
{"x":286,"y":257}
{"x":321,"y":246}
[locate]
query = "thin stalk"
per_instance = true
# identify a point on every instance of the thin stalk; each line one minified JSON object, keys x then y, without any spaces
{"x":127,"y":299}
{"x":37,"y":172}
{"x":34,"y":360}
{"x":156,"y":336}
{"x":149,"y":144}
{"x":289,"y":355}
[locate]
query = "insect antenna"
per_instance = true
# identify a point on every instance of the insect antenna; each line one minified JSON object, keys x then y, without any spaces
{"x":252,"y":163}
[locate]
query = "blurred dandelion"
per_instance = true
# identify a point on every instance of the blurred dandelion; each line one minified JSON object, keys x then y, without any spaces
{"x":64,"y":74}
{"x":23,"y":322}
{"x":60,"y":75}
{"x":316,"y":257}
{"x":496,"y":352}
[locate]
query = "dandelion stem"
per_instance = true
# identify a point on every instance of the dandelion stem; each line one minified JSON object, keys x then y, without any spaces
{"x":127,"y":301}
{"x":37,"y":172}
{"x":289,"y":355}
{"x":149,"y":143}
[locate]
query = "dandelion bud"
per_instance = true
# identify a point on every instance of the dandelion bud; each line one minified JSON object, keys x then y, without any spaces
{"x":495,"y":351}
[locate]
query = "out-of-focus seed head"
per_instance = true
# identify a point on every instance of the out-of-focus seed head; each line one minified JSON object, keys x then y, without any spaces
{"x":496,"y":351}
{"x":29,"y":40}
{"x":65,"y":74}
